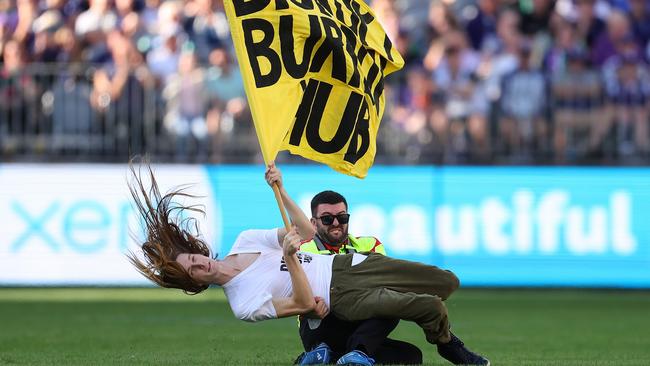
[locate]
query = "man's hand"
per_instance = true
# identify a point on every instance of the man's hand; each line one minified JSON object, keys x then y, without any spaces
{"x":321,"y":309}
{"x":291,"y":243}
{"x":273,"y":175}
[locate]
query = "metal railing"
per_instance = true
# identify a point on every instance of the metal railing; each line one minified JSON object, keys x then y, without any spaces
{"x":71,"y":113}
{"x":58,"y":112}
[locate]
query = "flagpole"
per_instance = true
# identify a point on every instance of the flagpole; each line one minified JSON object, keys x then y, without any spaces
{"x":278,"y":198}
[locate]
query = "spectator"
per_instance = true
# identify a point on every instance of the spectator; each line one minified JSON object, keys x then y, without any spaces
{"x":8,"y":21}
{"x":27,"y":13}
{"x":91,"y":26}
{"x":165,"y":53}
{"x":628,"y":99}
{"x":67,"y":9}
{"x":499,"y":55}
{"x":522,"y":125}
{"x":227,"y":100}
{"x":18,"y":93}
{"x":131,"y":24}
{"x":580,"y":121}
{"x":441,"y":21}
{"x":618,"y":29}
{"x":640,"y":18}
{"x":98,"y":19}
{"x":201,"y":25}
{"x":69,"y":46}
{"x":187,"y":105}
{"x":408,"y":134}
{"x":44,"y":27}
{"x":119,"y":95}
{"x":588,"y":26}
{"x":625,"y":47}
{"x":74,"y":123}
{"x":535,"y":18}
{"x":132,"y":27}
{"x":484,"y":24}
{"x":124,"y":8}
{"x":455,"y":84}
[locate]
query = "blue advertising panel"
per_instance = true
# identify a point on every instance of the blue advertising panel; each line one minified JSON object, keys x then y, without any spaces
{"x":545,"y":226}
{"x":493,"y":226}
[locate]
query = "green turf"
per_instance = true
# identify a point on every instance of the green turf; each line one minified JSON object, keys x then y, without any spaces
{"x":164,"y":327}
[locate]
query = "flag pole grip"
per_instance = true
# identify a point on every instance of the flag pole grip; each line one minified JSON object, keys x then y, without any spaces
{"x":278,"y":198}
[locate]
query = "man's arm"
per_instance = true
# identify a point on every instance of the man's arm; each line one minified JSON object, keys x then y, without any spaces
{"x":302,"y":300}
{"x":298,"y":217}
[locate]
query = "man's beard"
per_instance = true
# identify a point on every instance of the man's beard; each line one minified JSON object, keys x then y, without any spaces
{"x":333,"y":240}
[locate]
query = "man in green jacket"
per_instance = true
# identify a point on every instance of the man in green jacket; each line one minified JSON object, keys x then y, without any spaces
{"x":335,"y":338}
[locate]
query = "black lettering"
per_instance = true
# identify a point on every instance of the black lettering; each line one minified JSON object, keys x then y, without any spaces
{"x":388,"y":46}
{"x":358,"y":21}
{"x":324,"y":7}
{"x":247,"y":7}
{"x":350,"y":46}
{"x":344,"y":130}
{"x":379,"y":88}
{"x":304,"y":258}
{"x":361,"y":131}
{"x":373,"y":71}
{"x":302,"y":114}
{"x":363,"y":52}
{"x":261,"y":49}
{"x":284,"y":4}
{"x":354,"y":17}
{"x":339,"y":12}
{"x":372,"y":75}
{"x":305,"y":4}
{"x":365,"y":19}
{"x":354,"y":124}
{"x":281,"y":5}
{"x":332,"y":44}
{"x":289,"y":49}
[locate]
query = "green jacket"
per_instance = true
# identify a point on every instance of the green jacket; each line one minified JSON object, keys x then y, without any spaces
{"x":355,"y":244}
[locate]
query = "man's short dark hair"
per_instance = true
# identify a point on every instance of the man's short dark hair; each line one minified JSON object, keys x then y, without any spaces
{"x":328,"y":197}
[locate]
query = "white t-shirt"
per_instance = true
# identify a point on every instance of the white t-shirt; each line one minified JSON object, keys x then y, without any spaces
{"x":250,"y":292}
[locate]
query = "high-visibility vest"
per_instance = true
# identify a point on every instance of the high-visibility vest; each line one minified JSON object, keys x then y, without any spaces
{"x":354,"y":244}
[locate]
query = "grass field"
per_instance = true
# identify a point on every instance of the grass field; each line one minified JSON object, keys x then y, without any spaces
{"x":164,"y":327}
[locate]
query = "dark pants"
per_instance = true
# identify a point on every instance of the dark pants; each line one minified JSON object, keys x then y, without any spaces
{"x":384,"y":287}
{"x":369,"y":336}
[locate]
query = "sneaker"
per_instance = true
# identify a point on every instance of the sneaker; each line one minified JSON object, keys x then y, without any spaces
{"x":355,"y":358}
{"x":456,"y":353}
{"x":321,"y":355}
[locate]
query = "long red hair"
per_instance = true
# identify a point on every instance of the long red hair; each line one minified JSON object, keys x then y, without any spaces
{"x":167,"y":234}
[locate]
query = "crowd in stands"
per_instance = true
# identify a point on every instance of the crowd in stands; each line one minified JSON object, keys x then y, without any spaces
{"x":529,"y":81}
{"x":485,"y":81}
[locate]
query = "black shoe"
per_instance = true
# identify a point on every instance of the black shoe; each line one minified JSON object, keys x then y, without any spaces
{"x":456,"y":353}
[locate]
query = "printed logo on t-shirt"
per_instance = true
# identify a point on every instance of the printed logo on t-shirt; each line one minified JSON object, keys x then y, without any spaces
{"x":302,"y":258}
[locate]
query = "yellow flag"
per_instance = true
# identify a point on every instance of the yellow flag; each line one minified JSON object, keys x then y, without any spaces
{"x":314,"y":73}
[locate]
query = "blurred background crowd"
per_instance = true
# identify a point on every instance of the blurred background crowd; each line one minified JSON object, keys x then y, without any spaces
{"x":485,"y":82}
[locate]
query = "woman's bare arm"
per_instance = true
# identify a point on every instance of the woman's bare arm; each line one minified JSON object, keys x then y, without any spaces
{"x":302,"y":300}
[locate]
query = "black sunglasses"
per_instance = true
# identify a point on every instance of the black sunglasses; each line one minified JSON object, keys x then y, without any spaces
{"x":329,"y":219}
